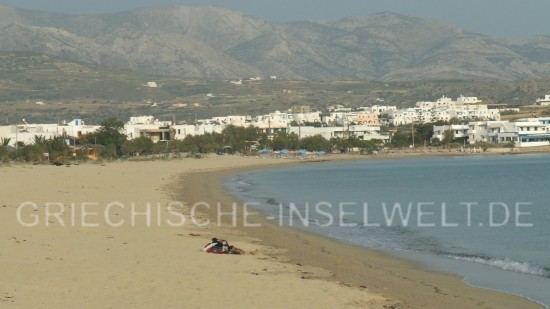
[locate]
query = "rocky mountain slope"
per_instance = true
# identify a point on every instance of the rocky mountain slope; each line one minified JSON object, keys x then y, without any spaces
{"x":215,"y":43}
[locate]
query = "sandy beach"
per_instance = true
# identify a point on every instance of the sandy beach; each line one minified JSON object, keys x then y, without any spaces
{"x":125,"y":234}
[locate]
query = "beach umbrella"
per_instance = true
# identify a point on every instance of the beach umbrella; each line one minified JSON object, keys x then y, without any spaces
{"x":264,"y":151}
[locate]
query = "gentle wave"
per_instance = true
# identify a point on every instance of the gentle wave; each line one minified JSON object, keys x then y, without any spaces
{"x":505,"y":264}
{"x":243,"y":183}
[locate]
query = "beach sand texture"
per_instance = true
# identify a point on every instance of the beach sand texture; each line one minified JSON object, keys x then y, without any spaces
{"x":91,"y":252}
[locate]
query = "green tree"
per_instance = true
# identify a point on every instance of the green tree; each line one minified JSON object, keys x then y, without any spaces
{"x":401,"y":139}
{"x":110,"y":133}
{"x":423,"y":132}
{"x":511,"y":145}
{"x":239,"y":138}
{"x":283,"y":140}
{"x":5,"y":141}
{"x":138,"y":146}
{"x":436,"y":141}
{"x":316,"y":143}
{"x":341,"y":144}
{"x":448,"y":137}
{"x":4,"y":150}
{"x":206,"y":143}
{"x":280,"y":141}
{"x":31,"y":153}
{"x":57,"y":147}
{"x":370,"y":146}
{"x":188,"y":145}
{"x":109,"y":152}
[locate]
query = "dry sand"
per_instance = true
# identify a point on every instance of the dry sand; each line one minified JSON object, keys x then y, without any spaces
{"x":92,"y":246}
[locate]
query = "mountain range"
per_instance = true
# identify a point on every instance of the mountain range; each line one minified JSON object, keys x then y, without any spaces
{"x":215,"y":43}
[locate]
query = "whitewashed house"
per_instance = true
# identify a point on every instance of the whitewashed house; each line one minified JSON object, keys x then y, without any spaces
{"x":458,"y":130}
{"x":148,"y":126}
{"x":544,"y":101}
{"x":362,"y":132}
{"x":311,"y":117}
{"x":26,"y":132}
{"x":467,"y":100}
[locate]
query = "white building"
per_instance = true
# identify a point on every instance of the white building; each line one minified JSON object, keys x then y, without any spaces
{"x":181,"y":131}
{"x":439,"y":114}
{"x":442,"y":110}
{"x":239,"y":121}
{"x":489,"y":131}
{"x":362,"y":132}
{"x":545,"y":101}
{"x":311,"y":117}
{"x":458,"y":130}
{"x":148,"y":126}
{"x":26,"y":132}
{"x":380,"y":109}
{"x":532,"y":132}
{"x":273,"y":122}
{"x":403,"y":116}
{"x":445,"y":102}
{"x":528,"y":132}
{"x":425,"y":105}
{"x":467,"y":100}
{"x":339,"y":108}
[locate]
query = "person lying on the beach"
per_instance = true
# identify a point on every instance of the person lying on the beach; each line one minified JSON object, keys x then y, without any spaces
{"x":221,"y":247}
{"x":216,"y":246}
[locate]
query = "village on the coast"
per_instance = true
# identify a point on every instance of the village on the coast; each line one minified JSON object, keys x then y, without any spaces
{"x":477,"y":123}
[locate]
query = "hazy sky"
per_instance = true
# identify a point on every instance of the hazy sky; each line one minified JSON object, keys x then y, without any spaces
{"x":501,"y":18}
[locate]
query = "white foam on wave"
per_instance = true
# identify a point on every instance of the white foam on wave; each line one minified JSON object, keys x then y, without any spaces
{"x":243,"y":183}
{"x":506,"y":264}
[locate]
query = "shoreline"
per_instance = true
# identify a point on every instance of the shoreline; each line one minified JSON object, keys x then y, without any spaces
{"x":56,"y":264}
{"x":407,"y":283}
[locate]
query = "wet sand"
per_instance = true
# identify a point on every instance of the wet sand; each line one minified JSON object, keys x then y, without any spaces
{"x":402,"y":283}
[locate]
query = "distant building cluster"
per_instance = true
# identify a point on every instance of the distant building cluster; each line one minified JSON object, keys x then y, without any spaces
{"x":26,"y":133}
{"x":340,"y":122}
{"x":527,"y":132}
{"x":300,"y":120}
{"x":444,"y":109}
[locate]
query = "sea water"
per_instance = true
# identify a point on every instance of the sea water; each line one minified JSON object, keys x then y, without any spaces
{"x":485,"y":218}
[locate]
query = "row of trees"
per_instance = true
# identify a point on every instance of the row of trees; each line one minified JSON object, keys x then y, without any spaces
{"x":231,"y":139}
{"x":111,"y":142}
{"x":40,"y":150}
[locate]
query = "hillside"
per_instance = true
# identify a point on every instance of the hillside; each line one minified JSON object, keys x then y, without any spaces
{"x":70,"y":89}
{"x":214,"y":43}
